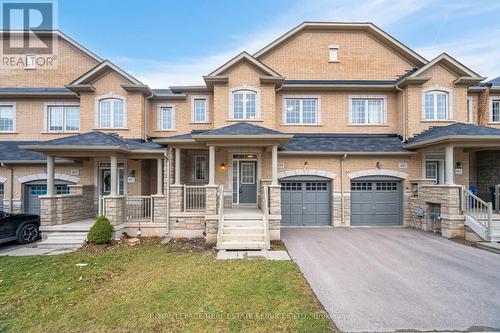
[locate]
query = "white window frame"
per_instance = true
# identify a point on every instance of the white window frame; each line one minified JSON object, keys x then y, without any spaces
{"x":193,"y":109}
{"x":195,"y":157}
{"x":46,"y":123}
{"x":14,"y":120}
{"x":449,"y":102}
{"x":333,"y":53}
{"x":257,"y":103}
{"x":368,"y":97}
{"x":97,"y":114}
{"x":492,"y":100}
{"x":301,"y":97}
{"x":159,"y":118}
{"x":434,"y":157}
{"x":470,"y":110}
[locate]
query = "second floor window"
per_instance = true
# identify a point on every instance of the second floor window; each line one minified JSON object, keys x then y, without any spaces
{"x":495,"y":110}
{"x":167,"y":118}
{"x":7,"y":118}
{"x":436,"y":105}
{"x":111,"y":114}
{"x":244,"y":105}
{"x":301,"y":111}
{"x":63,"y":118}
{"x":368,"y":111}
{"x":200,"y":110}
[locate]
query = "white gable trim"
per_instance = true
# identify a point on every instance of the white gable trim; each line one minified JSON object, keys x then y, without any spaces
{"x":82,"y":79}
{"x":250,"y":59}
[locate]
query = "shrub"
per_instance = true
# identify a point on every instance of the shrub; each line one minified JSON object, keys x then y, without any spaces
{"x":101,"y":231}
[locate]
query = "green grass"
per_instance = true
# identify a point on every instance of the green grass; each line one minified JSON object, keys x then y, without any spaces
{"x":155,"y":288}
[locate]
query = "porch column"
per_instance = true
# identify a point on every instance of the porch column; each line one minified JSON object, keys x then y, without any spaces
{"x":177,"y":166}
{"x":211,"y":165}
{"x":159,"y":176}
{"x":114,"y":176}
{"x":449,"y":165}
{"x":50,"y":176}
{"x":274,"y":166}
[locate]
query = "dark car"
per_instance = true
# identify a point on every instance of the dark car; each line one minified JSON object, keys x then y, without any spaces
{"x":23,"y":228}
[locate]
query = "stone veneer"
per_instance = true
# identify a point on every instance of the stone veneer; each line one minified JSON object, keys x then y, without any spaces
{"x":113,"y":207}
{"x":448,"y":196}
{"x":488,"y":172}
{"x":62,"y":209}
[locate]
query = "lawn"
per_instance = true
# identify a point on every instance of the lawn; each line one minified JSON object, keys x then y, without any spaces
{"x":155,"y":288}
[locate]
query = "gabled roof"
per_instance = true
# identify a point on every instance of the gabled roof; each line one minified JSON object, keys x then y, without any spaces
{"x":240,"y":129}
{"x":454,"y":131}
{"x":344,"y":143}
{"x":241,"y":57}
{"x":494,"y":82}
{"x":451,"y":63}
{"x":105,"y":66}
{"x":369,"y":27}
{"x":94,"y":140}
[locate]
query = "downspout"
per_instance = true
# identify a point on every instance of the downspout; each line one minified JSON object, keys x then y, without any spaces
{"x":167,"y":161}
{"x":403,"y":101}
{"x":342,"y":213}
{"x":11,"y":196}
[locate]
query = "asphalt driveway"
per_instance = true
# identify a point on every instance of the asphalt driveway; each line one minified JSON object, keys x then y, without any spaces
{"x":387,"y":279}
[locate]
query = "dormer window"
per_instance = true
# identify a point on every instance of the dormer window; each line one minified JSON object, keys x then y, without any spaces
{"x":333,"y":55}
{"x":244,"y":105}
{"x":436,"y":105}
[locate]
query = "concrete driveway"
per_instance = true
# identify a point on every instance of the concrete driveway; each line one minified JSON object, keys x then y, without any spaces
{"x":387,"y":279}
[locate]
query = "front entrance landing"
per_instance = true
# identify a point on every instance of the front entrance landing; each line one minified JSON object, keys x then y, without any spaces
{"x":388,"y":279}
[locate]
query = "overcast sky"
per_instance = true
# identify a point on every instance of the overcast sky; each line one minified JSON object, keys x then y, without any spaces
{"x":166,"y":43}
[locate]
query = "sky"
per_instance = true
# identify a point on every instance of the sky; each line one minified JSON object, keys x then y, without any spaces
{"x":165,"y":43}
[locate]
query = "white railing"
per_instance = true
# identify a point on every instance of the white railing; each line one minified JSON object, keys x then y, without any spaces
{"x":476,"y":208}
{"x":220,"y":213}
{"x":194,"y":198}
{"x":265,"y":208}
{"x":139,"y":208}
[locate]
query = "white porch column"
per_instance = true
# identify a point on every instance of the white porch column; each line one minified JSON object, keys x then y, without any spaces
{"x":177,"y":166}
{"x":159,"y":176}
{"x":50,"y":176}
{"x":211,"y":165}
{"x":274,"y":165}
{"x":449,"y":165}
{"x":114,"y":176}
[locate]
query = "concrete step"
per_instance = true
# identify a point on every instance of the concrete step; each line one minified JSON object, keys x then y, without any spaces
{"x":66,"y":234}
{"x":232,"y":245}
{"x":60,"y":244}
{"x":242,"y":217}
{"x":243,"y":223}
{"x":243,"y":230}
{"x":243,"y":237}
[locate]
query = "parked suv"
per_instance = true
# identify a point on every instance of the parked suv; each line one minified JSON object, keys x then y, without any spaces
{"x":23,"y":228}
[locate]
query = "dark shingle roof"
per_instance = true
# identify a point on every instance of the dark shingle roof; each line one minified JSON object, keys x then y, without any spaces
{"x":344,"y":143}
{"x":495,"y":82}
{"x":10,"y":151}
{"x":163,"y":92}
{"x":97,"y":138}
{"x":460,"y":129}
{"x":242,"y":129}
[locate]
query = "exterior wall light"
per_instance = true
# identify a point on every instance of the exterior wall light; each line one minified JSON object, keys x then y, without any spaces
{"x":222,"y":166}
{"x":306,"y":165}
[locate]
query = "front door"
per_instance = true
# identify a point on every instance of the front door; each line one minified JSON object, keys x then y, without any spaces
{"x":105,"y":178}
{"x":248,"y":182}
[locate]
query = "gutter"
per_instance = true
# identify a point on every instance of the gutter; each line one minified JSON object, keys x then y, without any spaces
{"x":11,"y":196}
{"x":342,"y":153}
{"x":167,"y":161}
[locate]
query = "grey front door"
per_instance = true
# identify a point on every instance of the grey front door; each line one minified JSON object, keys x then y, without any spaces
{"x":248,"y":182}
{"x":305,"y":202}
{"x":376,"y":202}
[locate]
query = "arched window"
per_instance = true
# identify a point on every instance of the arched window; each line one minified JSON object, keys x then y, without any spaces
{"x":436,"y":105}
{"x":111,"y":113}
{"x":244,"y":105}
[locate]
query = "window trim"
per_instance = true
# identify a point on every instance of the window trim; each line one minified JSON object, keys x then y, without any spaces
{"x":301,"y":97}
{"x":46,"y":125}
{"x":159,"y":118}
{"x":449,"y":103}
{"x":492,"y":100}
{"x":195,"y":156}
{"x":14,"y":122}
{"x":436,"y":156}
{"x":332,"y":47}
{"x":97,"y":114}
{"x":257,"y":103}
{"x":367,"y":97}
{"x":207,"y":109}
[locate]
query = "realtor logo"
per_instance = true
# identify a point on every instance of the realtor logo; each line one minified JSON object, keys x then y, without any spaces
{"x":27,"y":38}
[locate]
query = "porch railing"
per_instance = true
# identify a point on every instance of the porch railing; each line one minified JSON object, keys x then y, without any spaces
{"x":139,"y":208}
{"x":478,"y":209}
{"x":220,"y":213}
{"x":194,"y":198}
{"x":265,"y":208}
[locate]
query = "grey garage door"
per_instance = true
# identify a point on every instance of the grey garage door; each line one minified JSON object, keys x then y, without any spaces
{"x":376,"y":202}
{"x":1,"y":196}
{"x":33,"y":191}
{"x":305,"y":202}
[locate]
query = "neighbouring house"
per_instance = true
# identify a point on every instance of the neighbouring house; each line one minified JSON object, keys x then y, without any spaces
{"x":332,"y":124}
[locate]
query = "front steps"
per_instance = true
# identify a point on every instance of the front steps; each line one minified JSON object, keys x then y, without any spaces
{"x":243,"y":232}
{"x":65,"y":236}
